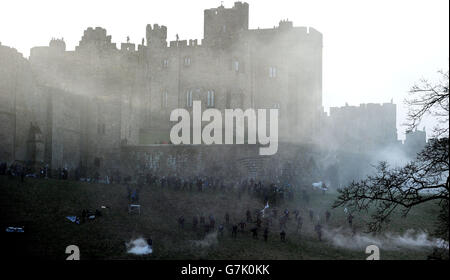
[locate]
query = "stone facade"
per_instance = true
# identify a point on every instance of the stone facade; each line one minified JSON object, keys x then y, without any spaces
{"x":364,"y":128}
{"x":99,"y":108}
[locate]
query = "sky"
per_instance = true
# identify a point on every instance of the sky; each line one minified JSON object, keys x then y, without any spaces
{"x":374,"y":50}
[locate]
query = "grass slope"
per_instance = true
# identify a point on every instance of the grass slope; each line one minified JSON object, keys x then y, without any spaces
{"x":42,"y":205}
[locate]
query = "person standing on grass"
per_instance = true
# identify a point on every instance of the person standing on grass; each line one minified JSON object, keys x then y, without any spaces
{"x":299,"y":223}
{"x":283,"y":236}
{"x":234,"y":231}
{"x":318,"y":230}
{"x":266,"y":234}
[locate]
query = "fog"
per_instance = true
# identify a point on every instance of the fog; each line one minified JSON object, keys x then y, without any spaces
{"x":139,"y":95}
{"x":387,"y":45}
{"x":410,"y":239}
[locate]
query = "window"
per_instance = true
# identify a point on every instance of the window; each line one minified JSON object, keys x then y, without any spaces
{"x":210,"y":98}
{"x":165,"y":63}
{"x":164,"y":100}
{"x":189,"y":98}
{"x":187,"y":61}
{"x":277,"y":106}
{"x":236,"y":66}
{"x":272,"y":72}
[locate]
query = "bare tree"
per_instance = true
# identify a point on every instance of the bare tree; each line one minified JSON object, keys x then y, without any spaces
{"x":430,"y":99}
{"x":422,"y":180}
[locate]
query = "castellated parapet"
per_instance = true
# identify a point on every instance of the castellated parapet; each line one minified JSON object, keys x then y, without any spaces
{"x":363,"y":128}
{"x":156,"y":36}
{"x":96,"y":38}
{"x":128,"y":94}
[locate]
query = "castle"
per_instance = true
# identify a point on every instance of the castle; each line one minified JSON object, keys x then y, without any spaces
{"x":90,"y":108}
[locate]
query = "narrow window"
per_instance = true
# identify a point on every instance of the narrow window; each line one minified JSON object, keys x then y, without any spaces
{"x":165,"y":63}
{"x":164,"y":100}
{"x":236,"y":66}
{"x":187,"y":61}
{"x":272,"y":72}
{"x":189,"y":98}
{"x":210,"y":98}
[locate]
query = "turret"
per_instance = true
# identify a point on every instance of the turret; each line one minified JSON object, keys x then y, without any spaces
{"x":156,"y":36}
{"x":222,"y":24}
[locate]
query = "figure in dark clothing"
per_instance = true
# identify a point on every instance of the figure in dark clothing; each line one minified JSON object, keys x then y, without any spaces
{"x":181,"y":221}
{"x":258,"y":222}
{"x":350,"y":219}
{"x":234,"y":231}
{"x":311,"y":214}
{"x":242,"y":226}
{"x":299,"y":223}
{"x":254,"y":232}
{"x":327,"y":216}
{"x":206,"y":227}
{"x":227,"y":218}
{"x":3,"y":167}
{"x":283,"y":236}
{"x":202,"y":220}
{"x":221,"y":229}
{"x":98,"y":213}
{"x":249,"y":216}
{"x":318,"y":230}
{"x":286,"y":213}
{"x":212,"y":222}
{"x":22,"y":174}
{"x":266,"y":234}
{"x":135,"y":196}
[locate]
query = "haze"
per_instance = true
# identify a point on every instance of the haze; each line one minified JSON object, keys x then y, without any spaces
{"x":373,"y":50}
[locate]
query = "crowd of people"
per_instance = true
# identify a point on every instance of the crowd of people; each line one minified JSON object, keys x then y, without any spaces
{"x":14,"y":170}
{"x":254,"y":223}
{"x":274,"y":192}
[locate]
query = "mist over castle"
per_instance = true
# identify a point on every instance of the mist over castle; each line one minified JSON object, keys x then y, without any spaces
{"x":105,"y":107}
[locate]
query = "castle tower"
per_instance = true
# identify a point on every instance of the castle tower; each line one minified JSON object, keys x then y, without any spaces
{"x":222,"y":24}
{"x":156,"y":36}
{"x":96,"y":38}
{"x":58,"y":44}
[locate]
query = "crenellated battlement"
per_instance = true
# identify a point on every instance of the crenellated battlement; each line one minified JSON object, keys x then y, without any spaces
{"x":156,"y":35}
{"x":221,"y":24}
{"x":184,"y":43}
{"x":97,"y":38}
{"x":387,"y":108}
{"x":57,"y":44}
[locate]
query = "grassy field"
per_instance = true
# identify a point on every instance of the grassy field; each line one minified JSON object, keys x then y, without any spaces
{"x":42,"y":206}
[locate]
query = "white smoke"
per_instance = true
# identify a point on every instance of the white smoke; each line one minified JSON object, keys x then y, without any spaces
{"x":209,"y":240}
{"x":411,"y":239}
{"x":139,"y":247}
